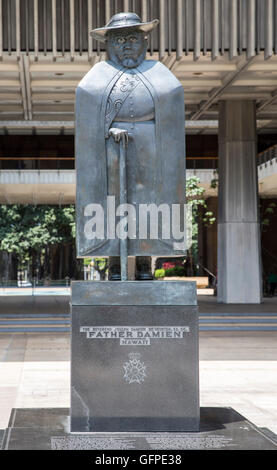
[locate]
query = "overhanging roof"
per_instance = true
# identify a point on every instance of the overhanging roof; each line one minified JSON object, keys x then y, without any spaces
{"x":57,"y":26}
{"x":217,"y":49}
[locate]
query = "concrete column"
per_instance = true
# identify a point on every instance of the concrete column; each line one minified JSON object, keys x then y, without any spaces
{"x":239,"y":272}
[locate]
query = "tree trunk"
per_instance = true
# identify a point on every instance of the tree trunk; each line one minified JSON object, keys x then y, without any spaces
{"x":4,"y":266}
{"x":61,"y":252}
{"x":54,"y":260}
{"x":13,"y":266}
{"x":66,"y":260}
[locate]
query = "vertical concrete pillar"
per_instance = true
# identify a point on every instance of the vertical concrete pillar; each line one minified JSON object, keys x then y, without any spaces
{"x":239,"y":273}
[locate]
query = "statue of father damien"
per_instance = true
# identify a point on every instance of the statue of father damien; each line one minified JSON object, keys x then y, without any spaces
{"x":131,"y":98}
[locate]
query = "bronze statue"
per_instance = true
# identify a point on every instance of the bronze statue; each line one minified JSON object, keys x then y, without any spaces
{"x":140,"y":104}
{"x":134,"y":344}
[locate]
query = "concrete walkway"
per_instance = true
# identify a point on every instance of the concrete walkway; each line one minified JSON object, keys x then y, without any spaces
{"x":34,"y":291}
{"x":208,"y":304}
{"x":36,"y":304}
{"x":238,"y":370}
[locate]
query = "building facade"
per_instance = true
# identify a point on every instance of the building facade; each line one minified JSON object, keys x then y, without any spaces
{"x":224,"y":54}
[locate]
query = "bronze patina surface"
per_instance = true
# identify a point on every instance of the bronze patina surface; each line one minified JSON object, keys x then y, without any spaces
{"x":138,"y":104}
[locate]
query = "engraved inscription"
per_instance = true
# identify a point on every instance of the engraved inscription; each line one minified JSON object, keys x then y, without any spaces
{"x":174,"y":441}
{"x":135,"y":335}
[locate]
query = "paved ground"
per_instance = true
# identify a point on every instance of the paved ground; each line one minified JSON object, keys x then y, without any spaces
{"x":209,"y":304}
{"x":236,"y":369}
{"x":37,"y":291}
{"x":26,"y":304}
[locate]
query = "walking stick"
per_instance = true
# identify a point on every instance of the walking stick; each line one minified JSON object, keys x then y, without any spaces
{"x":121,"y":136}
{"x":123,"y":200}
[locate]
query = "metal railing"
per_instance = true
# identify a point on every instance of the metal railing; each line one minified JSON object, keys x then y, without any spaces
{"x":59,"y":163}
{"x":268,"y":156}
{"x":21,"y":163}
{"x":65,"y":163}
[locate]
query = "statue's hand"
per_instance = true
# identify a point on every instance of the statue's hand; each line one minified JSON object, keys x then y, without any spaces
{"x":119,"y":134}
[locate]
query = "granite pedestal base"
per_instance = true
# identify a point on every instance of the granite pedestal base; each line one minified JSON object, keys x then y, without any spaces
{"x":220,"y":429}
{"x":134,"y":357}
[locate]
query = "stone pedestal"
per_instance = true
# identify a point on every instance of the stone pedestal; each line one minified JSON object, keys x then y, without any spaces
{"x":239,"y":272}
{"x":134,"y":356}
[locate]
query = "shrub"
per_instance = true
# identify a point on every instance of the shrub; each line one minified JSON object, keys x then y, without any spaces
{"x":159,"y":273}
{"x":87,"y":261}
{"x":170,"y":272}
{"x":179,"y":271}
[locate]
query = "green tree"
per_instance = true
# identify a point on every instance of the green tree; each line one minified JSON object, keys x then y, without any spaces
{"x":195,"y":199}
{"x":267,"y":211}
{"x":29,"y":230}
{"x":101,"y":265}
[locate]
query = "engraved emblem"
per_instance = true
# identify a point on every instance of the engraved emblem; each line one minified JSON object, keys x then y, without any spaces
{"x":128,"y":84}
{"x":117,"y":104}
{"x":134,"y":369}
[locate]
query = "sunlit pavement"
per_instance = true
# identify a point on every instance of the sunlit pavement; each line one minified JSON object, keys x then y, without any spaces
{"x":32,"y":291}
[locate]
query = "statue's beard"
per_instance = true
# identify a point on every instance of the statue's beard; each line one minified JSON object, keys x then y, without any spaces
{"x":127,"y":61}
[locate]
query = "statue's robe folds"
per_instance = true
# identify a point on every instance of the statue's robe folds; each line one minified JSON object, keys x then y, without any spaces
{"x":153,"y":115}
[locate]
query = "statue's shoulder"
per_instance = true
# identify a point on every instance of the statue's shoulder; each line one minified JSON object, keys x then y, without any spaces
{"x":157,"y":72}
{"x":97,"y":78}
{"x":151,"y":65}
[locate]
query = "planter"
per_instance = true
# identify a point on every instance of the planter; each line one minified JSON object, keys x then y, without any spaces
{"x":202,"y":282}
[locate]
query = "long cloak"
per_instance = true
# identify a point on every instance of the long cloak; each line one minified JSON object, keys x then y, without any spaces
{"x":91,"y":159}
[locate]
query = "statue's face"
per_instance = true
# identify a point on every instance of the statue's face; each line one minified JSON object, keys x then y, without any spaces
{"x":127,"y":48}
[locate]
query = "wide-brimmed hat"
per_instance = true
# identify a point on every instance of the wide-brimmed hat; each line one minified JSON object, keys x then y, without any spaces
{"x":123,"y":21}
